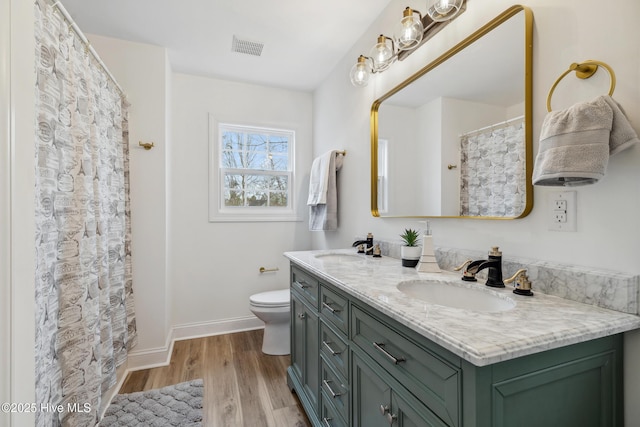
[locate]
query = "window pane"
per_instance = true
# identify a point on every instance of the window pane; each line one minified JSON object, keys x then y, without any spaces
{"x":232,"y":140}
{"x":280,"y":182}
{"x":279,"y":162}
{"x":279,"y":144}
{"x":232,"y":159}
{"x":257,"y":199}
{"x":278,"y":199}
{"x":257,"y":160}
{"x":233,"y":198}
{"x":257,"y":142}
{"x":234,"y":181}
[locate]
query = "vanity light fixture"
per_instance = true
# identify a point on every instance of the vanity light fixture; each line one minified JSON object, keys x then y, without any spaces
{"x":412,"y":30}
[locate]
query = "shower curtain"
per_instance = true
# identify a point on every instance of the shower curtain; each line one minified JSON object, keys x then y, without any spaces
{"x":492,"y":172}
{"x":85,"y":321}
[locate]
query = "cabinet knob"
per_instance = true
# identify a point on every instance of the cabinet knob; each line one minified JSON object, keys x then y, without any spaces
{"x":384,"y":409}
{"x":391,"y":418}
{"x":301,"y":316}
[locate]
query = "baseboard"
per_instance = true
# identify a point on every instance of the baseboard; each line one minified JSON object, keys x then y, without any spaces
{"x":161,"y":356}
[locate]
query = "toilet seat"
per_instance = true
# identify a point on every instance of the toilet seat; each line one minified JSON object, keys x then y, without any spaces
{"x":271,"y":299}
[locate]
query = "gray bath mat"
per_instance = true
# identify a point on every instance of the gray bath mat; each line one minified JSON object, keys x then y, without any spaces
{"x":175,"y":405}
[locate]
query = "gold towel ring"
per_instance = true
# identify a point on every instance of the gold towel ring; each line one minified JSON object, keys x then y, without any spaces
{"x":584,"y":70}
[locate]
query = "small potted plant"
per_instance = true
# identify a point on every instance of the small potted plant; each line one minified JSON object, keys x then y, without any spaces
{"x":410,"y":251}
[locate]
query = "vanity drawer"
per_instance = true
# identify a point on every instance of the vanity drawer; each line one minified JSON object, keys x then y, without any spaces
{"x":329,"y":415}
{"x":334,"y":308}
{"x":432,"y":380}
{"x":334,"y":390}
{"x":334,"y":349}
{"x":306,"y":285}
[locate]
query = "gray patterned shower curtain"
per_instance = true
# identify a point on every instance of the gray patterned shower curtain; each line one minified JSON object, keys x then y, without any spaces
{"x":492,"y":172}
{"x":85,"y":321}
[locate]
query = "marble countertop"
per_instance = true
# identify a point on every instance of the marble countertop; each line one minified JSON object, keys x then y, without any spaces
{"x":535,"y":324}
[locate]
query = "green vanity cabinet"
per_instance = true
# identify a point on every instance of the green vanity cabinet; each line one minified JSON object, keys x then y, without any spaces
{"x":352,"y":365}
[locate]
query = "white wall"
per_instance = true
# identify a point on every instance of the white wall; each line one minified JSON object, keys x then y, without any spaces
{"x":608,"y":233}
{"x":142,"y":71}
{"x":214,"y":266}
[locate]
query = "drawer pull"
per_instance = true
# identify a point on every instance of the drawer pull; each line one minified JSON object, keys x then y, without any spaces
{"x":332,"y":351}
{"x":380,"y":347}
{"x":326,"y":420}
{"x":331,"y":392}
{"x":301,"y":316}
{"x":331,"y":309}
{"x":302,"y":284}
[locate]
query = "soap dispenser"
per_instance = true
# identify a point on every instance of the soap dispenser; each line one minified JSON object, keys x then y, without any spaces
{"x":428,"y":263}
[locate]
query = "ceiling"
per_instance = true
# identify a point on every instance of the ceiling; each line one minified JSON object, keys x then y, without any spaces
{"x":303,"y":40}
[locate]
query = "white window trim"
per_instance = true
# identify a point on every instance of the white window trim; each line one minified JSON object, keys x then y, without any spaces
{"x":220,"y":213}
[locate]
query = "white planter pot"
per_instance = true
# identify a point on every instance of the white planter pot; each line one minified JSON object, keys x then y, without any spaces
{"x":410,"y":255}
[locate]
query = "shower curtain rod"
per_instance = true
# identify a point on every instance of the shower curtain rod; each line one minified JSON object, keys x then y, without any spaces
{"x":60,"y":7}
{"x":495,"y":125}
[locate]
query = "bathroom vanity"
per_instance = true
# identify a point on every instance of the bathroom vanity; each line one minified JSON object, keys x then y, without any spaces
{"x":365,"y":353}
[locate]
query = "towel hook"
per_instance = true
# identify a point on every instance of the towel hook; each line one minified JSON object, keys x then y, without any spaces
{"x":584,"y":70}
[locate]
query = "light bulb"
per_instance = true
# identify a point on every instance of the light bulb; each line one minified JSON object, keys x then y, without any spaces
{"x":443,"y":6}
{"x":443,"y":10}
{"x":382,"y":54}
{"x":408,"y":33}
{"x":360,"y":72}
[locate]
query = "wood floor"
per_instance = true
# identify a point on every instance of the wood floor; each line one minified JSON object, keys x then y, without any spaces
{"x":242,"y":386}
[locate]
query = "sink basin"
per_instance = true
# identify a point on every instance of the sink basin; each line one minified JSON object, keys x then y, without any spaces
{"x":339,"y":258}
{"x":451,"y":295}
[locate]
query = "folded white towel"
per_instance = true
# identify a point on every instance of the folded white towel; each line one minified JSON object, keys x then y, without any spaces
{"x":575,"y":144}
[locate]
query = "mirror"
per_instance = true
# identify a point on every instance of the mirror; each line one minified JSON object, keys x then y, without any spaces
{"x":455,"y":139}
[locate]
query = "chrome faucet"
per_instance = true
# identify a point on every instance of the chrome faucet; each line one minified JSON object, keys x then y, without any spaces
{"x":365,"y":246}
{"x":493,"y":265}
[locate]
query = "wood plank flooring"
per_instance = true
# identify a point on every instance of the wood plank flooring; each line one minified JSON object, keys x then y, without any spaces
{"x":242,"y":386}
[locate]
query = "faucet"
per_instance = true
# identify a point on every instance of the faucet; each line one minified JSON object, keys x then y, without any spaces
{"x":368,"y":242}
{"x":493,"y":265}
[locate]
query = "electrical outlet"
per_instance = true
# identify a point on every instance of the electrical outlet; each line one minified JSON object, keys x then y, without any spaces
{"x":560,"y":205}
{"x":562,"y":215}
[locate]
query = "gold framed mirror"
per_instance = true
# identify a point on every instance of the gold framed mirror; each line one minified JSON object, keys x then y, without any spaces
{"x":454,"y":140}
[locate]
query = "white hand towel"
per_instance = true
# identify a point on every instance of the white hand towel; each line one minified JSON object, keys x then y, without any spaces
{"x":324,"y":215}
{"x":575,"y":144}
{"x":319,"y":179}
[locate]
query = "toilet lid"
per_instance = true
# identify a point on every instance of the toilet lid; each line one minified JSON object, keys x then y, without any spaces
{"x":271,"y":298}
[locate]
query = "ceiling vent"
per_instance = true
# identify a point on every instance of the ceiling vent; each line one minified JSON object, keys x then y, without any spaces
{"x":246,"y":47}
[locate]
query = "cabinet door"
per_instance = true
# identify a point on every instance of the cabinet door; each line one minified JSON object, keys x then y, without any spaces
{"x":305,"y":354}
{"x":371,"y":396}
{"x":409,"y":412}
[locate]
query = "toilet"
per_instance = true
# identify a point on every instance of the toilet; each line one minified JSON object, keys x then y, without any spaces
{"x":273,"y":308}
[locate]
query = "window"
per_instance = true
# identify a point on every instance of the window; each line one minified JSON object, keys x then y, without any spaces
{"x":252,"y":174}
